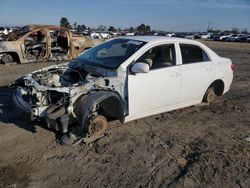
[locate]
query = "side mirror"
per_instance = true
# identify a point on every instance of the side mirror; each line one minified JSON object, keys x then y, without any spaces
{"x":140,"y":68}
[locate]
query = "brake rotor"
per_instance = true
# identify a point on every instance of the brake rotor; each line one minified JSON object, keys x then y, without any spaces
{"x":210,"y":95}
{"x":97,"y":125}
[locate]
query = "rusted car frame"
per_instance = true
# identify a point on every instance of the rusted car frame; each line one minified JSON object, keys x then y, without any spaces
{"x":23,"y":46}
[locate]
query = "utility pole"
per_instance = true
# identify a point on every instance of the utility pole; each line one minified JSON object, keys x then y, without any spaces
{"x":212,"y":27}
{"x":208,"y":27}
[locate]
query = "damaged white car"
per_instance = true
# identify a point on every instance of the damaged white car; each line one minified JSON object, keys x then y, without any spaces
{"x":124,"y":78}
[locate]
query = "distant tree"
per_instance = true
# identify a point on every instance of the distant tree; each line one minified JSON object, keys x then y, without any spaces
{"x":79,"y":28}
{"x":64,"y":22}
{"x":143,"y":28}
{"x":83,"y":27}
{"x":227,"y":31}
{"x":102,"y":28}
{"x":75,"y":25}
{"x":147,"y":28}
{"x":214,"y":31}
{"x":244,"y":31}
{"x":131,"y":29}
{"x":112,"y":28}
{"x":235,"y":30}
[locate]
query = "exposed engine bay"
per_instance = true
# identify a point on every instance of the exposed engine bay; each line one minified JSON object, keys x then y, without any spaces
{"x":61,"y":77}
{"x":54,"y":94}
{"x":55,"y":85}
{"x":59,"y":85}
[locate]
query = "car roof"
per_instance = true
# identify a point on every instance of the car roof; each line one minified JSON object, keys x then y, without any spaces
{"x":156,"y":39}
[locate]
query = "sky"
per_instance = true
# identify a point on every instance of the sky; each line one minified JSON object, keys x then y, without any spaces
{"x":167,"y":15}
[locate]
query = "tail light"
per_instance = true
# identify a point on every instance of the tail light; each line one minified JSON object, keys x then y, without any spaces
{"x":233,"y":66}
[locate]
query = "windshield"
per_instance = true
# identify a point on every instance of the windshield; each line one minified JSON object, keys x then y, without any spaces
{"x":111,"y":54}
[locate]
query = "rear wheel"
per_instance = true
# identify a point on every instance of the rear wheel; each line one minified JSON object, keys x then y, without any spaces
{"x":210,"y":95}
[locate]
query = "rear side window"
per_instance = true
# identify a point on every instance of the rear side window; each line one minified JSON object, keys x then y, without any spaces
{"x":193,"y":54}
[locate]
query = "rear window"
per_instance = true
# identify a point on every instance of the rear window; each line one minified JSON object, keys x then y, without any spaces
{"x":193,"y":54}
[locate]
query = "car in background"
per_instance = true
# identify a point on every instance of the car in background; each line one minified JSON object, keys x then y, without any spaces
{"x":248,"y":38}
{"x":34,"y":43}
{"x":125,"y":78}
{"x":100,"y":35}
{"x":171,"y":35}
{"x":225,"y":37}
{"x":241,"y":38}
{"x":207,"y":35}
{"x":235,"y":37}
{"x":193,"y":36}
{"x":180,"y":34}
{"x":3,"y":31}
{"x":130,"y":34}
{"x":217,"y":36}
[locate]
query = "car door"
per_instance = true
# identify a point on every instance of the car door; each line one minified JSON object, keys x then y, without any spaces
{"x":197,"y":71}
{"x":156,"y":91}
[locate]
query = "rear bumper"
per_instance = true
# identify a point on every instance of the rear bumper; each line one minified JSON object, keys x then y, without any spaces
{"x":228,"y":79}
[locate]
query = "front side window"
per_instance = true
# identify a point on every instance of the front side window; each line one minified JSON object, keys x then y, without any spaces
{"x":192,"y":54}
{"x":159,"y":56}
{"x":111,"y":54}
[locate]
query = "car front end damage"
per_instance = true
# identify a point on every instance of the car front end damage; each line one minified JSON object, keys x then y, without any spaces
{"x":56,"y":94}
{"x":36,"y":101}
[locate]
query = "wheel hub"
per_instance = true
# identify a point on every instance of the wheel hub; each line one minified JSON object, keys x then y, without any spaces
{"x":98,"y":125}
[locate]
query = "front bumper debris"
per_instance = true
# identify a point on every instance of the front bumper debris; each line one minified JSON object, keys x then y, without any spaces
{"x":59,"y":124}
{"x":22,"y":105}
{"x":54,"y":121}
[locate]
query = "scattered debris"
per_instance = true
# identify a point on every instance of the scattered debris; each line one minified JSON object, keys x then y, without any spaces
{"x":247,"y":138}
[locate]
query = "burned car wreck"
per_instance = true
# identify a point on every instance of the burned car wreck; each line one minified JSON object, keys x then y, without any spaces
{"x":36,"y":43}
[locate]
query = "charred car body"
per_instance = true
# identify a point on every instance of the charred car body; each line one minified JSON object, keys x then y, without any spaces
{"x":124,"y":78}
{"x":42,"y":42}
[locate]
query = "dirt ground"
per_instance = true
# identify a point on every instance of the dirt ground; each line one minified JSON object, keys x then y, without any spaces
{"x":204,"y":146}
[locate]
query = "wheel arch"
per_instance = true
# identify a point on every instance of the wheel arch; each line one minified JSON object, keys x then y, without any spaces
{"x":14,"y":54}
{"x":218,"y":86}
{"x":109,"y":101}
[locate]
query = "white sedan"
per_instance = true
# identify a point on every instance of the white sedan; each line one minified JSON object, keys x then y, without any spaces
{"x":125,"y":78}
